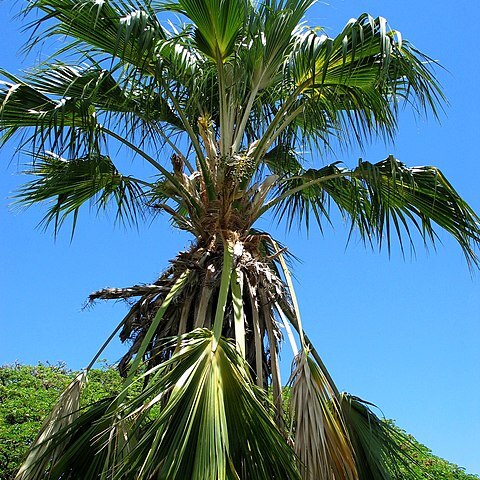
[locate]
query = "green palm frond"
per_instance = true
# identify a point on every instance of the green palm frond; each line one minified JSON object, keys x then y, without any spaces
{"x":381,"y":451}
{"x":125,"y":31}
{"x":354,"y":82}
{"x":68,"y":184}
{"x":196,"y":434}
{"x":282,"y":161}
{"x":69,"y":124}
{"x":46,"y":124}
{"x":272,"y":31}
{"x":109,"y":95}
{"x":123,"y":37}
{"x":94,"y":83}
{"x":422,"y":195}
{"x":310,"y":192}
{"x":126,"y":38}
{"x":60,"y":107}
{"x":383,"y":200}
{"x":54,"y":434}
{"x":73,"y":452}
{"x":217,"y":24}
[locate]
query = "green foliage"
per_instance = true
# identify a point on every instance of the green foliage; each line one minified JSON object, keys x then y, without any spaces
{"x":426,"y":465}
{"x":27,"y":394}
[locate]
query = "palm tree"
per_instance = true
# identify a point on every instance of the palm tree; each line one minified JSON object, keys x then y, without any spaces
{"x":221,"y":100}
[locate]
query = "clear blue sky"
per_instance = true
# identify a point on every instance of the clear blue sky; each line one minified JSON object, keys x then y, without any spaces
{"x":400,"y":333}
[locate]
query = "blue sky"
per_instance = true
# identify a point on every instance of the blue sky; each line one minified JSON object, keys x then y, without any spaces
{"x":402,"y":333}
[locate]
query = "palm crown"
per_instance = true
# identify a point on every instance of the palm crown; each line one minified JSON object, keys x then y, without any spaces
{"x":221,"y":109}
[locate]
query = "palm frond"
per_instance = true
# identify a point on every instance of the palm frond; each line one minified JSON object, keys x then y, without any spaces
{"x":122,"y":37}
{"x":51,"y":439}
{"x":355,"y":81}
{"x":217,"y":24}
{"x":398,"y":193}
{"x":71,"y":127}
{"x":60,"y":107}
{"x":184,"y":424}
{"x":110,"y":91}
{"x":321,"y":440}
{"x":381,"y":451}
{"x":272,"y":31}
{"x":75,"y":451}
{"x":196,"y":434}
{"x":69,"y":184}
{"x":119,"y":29}
{"x":61,"y":125}
{"x":282,"y":161}
{"x":383,"y":200}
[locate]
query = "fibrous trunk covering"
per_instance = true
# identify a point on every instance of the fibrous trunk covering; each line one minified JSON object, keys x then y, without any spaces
{"x":260,"y":291}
